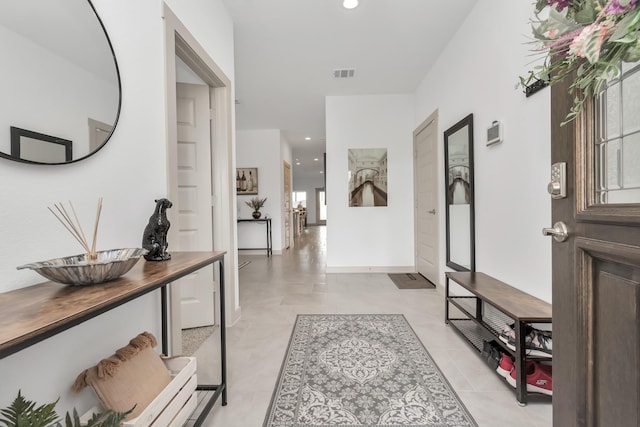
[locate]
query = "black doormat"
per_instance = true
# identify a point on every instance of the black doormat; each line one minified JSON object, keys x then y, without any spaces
{"x":411,"y":281}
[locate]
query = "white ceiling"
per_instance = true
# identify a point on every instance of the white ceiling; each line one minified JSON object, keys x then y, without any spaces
{"x":286,"y":51}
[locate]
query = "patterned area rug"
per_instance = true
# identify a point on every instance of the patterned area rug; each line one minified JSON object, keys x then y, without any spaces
{"x":361,"y":370}
{"x":193,"y":338}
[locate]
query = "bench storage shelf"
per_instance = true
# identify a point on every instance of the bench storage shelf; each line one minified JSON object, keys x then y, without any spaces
{"x":480,"y":317}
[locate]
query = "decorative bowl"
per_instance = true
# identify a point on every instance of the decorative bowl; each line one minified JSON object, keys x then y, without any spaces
{"x":78,"y":270}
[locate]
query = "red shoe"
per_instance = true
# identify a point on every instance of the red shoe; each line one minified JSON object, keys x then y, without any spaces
{"x":505,"y":366}
{"x":539,"y":378}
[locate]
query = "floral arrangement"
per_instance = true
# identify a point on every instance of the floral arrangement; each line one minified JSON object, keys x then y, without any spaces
{"x":256,"y":203}
{"x":590,"y":37}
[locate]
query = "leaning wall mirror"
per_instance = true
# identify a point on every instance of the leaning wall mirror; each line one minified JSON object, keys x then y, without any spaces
{"x":458,"y":157}
{"x":59,"y":81}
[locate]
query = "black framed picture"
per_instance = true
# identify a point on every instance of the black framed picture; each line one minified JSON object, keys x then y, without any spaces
{"x":247,"y":181}
{"x":35,"y":147}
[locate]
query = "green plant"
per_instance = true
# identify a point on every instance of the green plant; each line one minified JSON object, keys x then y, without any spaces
{"x":107,"y":418}
{"x":256,"y":203}
{"x":24,"y":413}
{"x":587,"y":37}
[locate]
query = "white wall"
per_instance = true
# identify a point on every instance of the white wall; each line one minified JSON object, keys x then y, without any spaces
{"x":261,"y":149}
{"x":370,"y":238}
{"x":477,"y":73}
{"x":129,"y":173}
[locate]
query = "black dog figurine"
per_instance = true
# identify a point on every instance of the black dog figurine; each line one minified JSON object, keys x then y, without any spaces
{"x":155,"y":233}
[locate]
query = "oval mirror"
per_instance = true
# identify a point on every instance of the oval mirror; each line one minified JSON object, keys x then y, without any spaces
{"x":59,"y":81}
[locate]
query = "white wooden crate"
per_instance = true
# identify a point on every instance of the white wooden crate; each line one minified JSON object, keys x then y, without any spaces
{"x":174,"y":404}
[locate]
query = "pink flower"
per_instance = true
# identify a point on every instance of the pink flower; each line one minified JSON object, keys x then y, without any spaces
{"x":578,"y":44}
{"x":560,"y":4}
{"x":614,"y":7}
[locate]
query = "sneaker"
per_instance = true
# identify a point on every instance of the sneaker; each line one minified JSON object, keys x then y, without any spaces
{"x":536,"y":342}
{"x":505,"y":366}
{"x":540,"y":343}
{"x":539,"y":378}
{"x":508,"y":334}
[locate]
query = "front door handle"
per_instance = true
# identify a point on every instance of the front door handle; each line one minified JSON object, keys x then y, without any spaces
{"x":559,"y":231}
{"x":432,"y":212}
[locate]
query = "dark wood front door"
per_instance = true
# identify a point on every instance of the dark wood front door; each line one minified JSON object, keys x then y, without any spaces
{"x":596,"y":271}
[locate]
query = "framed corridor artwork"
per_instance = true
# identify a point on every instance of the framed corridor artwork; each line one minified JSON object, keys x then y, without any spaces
{"x":247,"y":181}
{"x":367,"y":177}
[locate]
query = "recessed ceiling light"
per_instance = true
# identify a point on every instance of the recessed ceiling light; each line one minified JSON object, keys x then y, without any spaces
{"x":321,"y":172}
{"x":298,"y":163}
{"x":307,"y":138}
{"x":315,"y":160}
{"x":350,"y":4}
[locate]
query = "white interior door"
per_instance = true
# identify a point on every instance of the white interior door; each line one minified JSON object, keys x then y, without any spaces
{"x":194,"y":204}
{"x":425,"y":142}
{"x":287,"y":205}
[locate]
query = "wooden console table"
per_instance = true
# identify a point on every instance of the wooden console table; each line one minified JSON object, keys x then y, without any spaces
{"x":35,"y":313}
{"x":266,"y":221}
{"x":511,"y":306}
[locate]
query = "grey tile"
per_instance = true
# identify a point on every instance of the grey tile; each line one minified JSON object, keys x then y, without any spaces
{"x":274,"y":290}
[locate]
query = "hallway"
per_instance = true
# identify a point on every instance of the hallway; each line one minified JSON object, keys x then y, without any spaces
{"x":274,"y":290}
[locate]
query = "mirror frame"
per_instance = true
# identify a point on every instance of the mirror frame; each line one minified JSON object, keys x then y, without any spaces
{"x":468,"y":123}
{"x":117,"y":117}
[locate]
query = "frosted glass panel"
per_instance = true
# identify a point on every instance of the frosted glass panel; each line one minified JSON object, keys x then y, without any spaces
{"x":612,"y":164}
{"x":617,"y":139}
{"x":612,"y":117}
{"x":631,"y":103}
{"x":631,"y":161}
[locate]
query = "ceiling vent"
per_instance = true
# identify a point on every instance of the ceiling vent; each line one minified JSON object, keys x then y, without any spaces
{"x":345,"y":73}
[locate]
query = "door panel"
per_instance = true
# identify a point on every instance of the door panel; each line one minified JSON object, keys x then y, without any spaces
{"x":287,"y":205}
{"x":426,"y":198}
{"x":596,"y":271}
{"x":194,"y":200}
{"x":608,"y":360}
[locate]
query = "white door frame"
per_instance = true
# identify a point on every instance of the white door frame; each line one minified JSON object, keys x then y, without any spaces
{"x":433,"y":117}
{"x":180,"y":42}
{"x":318,"y":220}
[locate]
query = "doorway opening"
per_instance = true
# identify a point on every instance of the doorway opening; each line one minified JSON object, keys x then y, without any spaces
{"x":321,"y":206}
{"x":179,"y":43}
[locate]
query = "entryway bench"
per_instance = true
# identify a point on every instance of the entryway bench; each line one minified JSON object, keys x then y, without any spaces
{"x":493,"y":304}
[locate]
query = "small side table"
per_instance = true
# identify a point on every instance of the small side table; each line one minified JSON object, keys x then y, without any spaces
{"x":266,"y":221}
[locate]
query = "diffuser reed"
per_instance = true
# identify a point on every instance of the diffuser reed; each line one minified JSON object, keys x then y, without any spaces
{"x":72,"y":224}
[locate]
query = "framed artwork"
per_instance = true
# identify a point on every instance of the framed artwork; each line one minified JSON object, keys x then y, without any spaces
{"x":367,"y":177}
{"x":247,"y":181}
{"x":30,"y":146}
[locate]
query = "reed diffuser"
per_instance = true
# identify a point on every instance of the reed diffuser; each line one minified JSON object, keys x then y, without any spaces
{"x":72,"y":224}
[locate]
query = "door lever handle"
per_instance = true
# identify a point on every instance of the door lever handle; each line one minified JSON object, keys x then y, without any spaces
{"x":559,"y":231}
{"x":432,"y":212}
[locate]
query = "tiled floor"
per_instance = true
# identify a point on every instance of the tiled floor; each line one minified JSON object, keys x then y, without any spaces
{"x":274,"y":290}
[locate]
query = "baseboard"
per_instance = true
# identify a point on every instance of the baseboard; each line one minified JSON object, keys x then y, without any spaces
{"x":365,"y":269}
{"x":258,"y":252}
{"x":234,"y":318}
